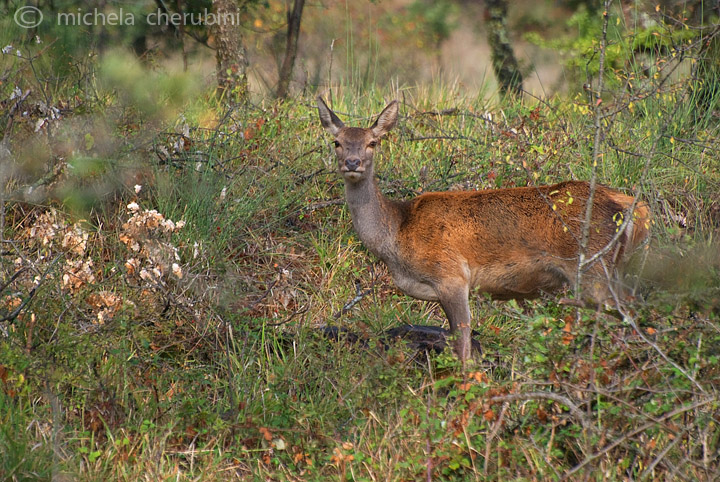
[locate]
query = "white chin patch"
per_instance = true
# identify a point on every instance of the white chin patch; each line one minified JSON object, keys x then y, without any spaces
{"x":352,"y":176}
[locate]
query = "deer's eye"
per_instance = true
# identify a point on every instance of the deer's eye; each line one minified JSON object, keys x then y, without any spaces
{"x":337,"y":144}
{"x":372,"y":144}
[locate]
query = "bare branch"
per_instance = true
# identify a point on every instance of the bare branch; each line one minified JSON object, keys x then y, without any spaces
{"x":632,"y":433}
{"x":585,"y":237}
{"x":574,"y":409}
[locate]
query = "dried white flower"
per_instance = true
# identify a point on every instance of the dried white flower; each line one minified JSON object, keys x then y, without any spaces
{"x":133,"y":206}
{"x":132,"y":265}
{"x":7,"y":49}
{"x":168,"y":225}
{"x":138,"y":187}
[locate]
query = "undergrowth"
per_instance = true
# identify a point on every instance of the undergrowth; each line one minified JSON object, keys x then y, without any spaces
{"x":165,"y":298}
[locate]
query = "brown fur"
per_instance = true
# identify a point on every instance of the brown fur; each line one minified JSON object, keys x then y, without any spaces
{"x":511,"y":243}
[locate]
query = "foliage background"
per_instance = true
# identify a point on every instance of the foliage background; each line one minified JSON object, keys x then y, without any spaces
{"x":172,"y":258}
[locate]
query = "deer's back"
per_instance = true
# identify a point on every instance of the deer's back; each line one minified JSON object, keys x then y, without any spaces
{"x":510,"y":242}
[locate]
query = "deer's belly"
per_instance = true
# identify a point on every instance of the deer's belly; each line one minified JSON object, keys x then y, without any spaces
{"x":414,"y":287}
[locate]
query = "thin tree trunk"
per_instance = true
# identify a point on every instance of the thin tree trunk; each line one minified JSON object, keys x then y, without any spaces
{"x":181,"y":35}
{"x":504,"y":62}
{"x":708,"y":73}
{"x":230,"y":56}
{"x":293,"y":35}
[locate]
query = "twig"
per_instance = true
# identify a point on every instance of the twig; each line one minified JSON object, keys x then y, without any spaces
{"x":252,"y":305}
{"x":585,"y":237}
{"x":13,"y":278}
{"x":31,"y":294}
{"x":322,"y":205}
{"x":24,"y":192}
{"x":359,"y":295}
{"x":232,"y":393}
{"x":630,"y":321}
{"x":428,"y":447}
{"x":16,"y":311}
{"x":647,"y":472}
{"x":451,"y":138}
{"x":450,"y":111}
{"x":493,"y":433}
{"x":635,"y":432}
{"x":10,"y":115}
{"x":289,"y":318}
{"x":574,"y":409}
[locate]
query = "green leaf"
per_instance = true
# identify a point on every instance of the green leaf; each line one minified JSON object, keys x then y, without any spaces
{"x":89,"y":141}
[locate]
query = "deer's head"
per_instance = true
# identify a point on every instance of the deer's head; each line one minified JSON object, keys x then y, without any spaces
{"x":355,"y":146}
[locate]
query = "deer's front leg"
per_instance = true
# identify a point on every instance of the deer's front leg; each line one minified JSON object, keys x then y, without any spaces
{"x":454,"y":301}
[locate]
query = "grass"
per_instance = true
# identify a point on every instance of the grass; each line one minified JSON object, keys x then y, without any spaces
{"x":123,"y":366}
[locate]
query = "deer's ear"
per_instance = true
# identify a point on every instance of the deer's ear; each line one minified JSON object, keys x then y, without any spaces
{"x":328,"y":119}
{"x":386,"y":120}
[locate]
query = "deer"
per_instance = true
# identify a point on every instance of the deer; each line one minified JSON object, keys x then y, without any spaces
{"x":512,"y":243}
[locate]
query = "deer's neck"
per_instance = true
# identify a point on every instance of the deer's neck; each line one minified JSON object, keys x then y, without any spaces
{"x":375,"y":218}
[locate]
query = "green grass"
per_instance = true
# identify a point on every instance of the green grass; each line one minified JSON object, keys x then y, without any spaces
{"x":222,"y":373}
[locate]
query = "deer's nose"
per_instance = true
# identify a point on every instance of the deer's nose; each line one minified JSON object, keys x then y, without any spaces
{"x":352,"y":164}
